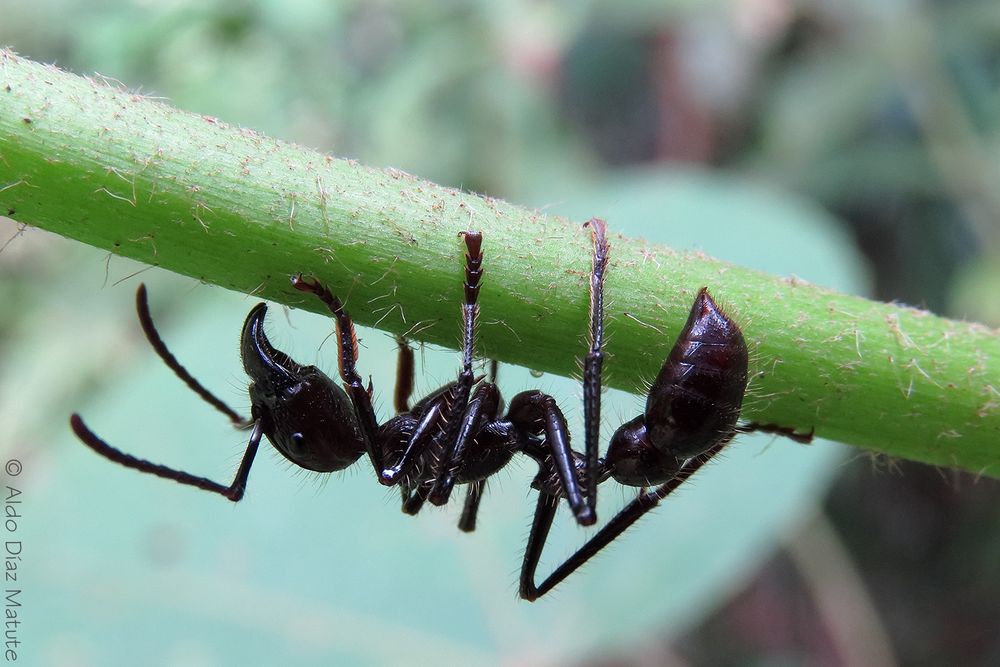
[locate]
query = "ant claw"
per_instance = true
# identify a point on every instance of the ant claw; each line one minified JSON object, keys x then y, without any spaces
{"x":304,"y":284}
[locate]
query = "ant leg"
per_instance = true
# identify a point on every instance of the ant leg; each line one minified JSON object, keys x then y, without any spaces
{"x":153,"y":336}
{"x":594,"y":361}
{"x":347,"y":344}
{"x":467,"y":522}
{"x":470,"y":510}
{"x":430,"y":414}
{"x":538,"y":413}
{"x":431,"y":411}
{"x":788,"y":431}
{"x":233,"y":492}
{"x":451,"y":455}
{"x":404,"y":376}
{"x":545,"y":512}
{"x":484,"y":403}
{"x":415,"y":500}
{"x":483,"y":406}
{"x":417,"y":444}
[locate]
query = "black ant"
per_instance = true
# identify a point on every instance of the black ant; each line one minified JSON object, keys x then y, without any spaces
{"x":458,"y":434}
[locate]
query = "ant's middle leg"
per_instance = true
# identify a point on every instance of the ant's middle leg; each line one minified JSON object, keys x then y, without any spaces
{"x":483,"y":406}
{"x":470,"y":510}
{"x":451,"y":455}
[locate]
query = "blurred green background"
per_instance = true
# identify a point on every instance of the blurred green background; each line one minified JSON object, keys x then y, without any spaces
{"x":853,"y":144}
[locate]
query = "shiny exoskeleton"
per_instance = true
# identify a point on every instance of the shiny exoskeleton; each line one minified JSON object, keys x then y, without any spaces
{"x":459,"y":433}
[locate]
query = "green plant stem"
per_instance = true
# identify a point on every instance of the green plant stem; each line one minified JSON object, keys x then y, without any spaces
{"x":229,"y":206}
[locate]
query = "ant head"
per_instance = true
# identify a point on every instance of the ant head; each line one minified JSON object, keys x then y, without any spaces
{"x":305,"y":414}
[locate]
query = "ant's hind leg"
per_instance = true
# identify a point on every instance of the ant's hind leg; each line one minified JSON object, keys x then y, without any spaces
{"x":594,"y":361}
{"x":545,"y":512}
{"x":538,"y":413}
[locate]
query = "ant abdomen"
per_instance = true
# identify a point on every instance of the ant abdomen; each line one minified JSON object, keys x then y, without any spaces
{"x":699,"y":392}
{"x":692,"y":406}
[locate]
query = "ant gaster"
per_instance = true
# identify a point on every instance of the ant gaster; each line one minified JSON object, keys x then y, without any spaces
{"x":458,"y":434}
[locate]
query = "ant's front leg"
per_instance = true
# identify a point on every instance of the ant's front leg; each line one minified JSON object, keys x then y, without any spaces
{"x":402,"y":392}
{"x":482,"y":407}
{"x":347,"y":346}
{"x":414,"y":499}
{"x":423,"y":428}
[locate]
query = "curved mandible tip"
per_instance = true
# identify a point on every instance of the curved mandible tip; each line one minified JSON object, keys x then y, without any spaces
{"x":261,"y":360}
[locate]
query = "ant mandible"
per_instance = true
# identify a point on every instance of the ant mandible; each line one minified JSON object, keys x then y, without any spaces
{"x":457,"y":434}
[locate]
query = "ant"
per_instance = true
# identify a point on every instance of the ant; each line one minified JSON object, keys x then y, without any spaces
{"x":457,"y":434}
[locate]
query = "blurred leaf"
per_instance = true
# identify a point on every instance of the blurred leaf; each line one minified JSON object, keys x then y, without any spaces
{"x":974,"y":289}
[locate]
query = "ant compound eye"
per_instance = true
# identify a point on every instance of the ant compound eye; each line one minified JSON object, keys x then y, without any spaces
{"x":298,"y":442}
